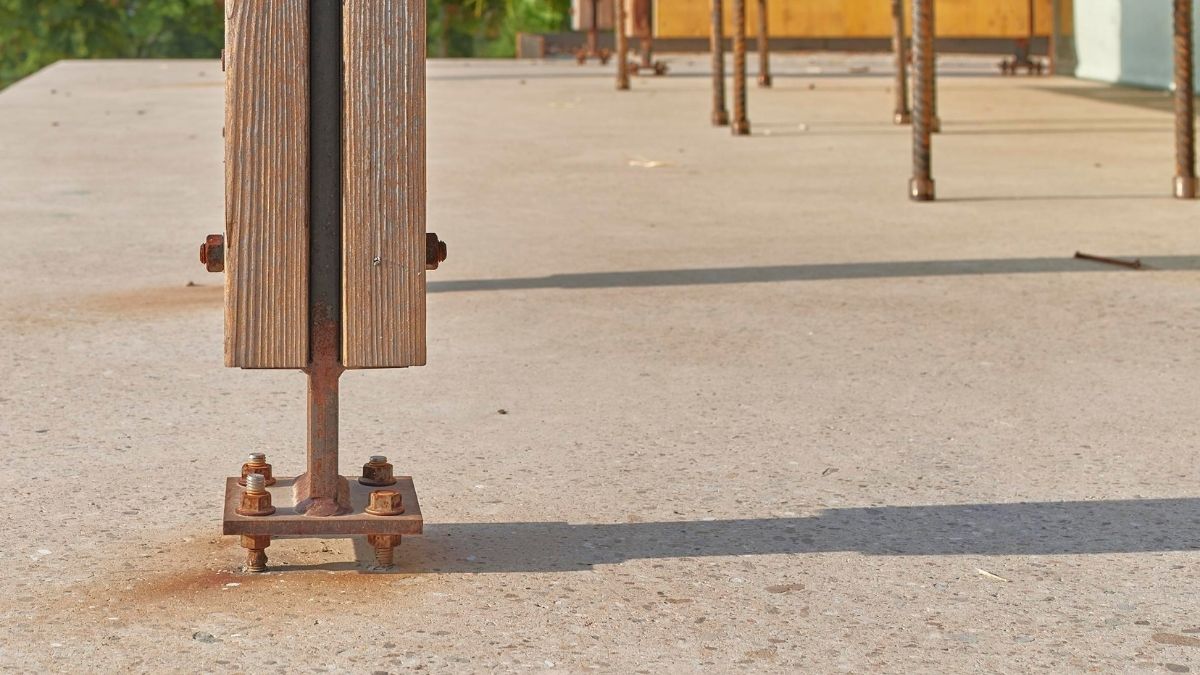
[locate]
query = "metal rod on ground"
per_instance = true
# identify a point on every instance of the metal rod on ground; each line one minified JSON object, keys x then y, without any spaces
{"x":764,"y":46}
{"x":622,"y":43}
{"x":720,"y":114}
{"x":741,"y":124}
{"x":921,"y":185}
{"x":1185,"y":120}
{"x":899,"y":48}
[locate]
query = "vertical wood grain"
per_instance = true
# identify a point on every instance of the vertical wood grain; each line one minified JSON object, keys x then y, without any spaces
{"x":266,"y":184}
{"x":383,"y":184}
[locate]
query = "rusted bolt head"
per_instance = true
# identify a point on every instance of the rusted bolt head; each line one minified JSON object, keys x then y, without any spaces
{"x":435,"y":251}
{"x":256,"y":501}
{"x":385,"y":503}
{"x":256,"y":463}
{"x":377,"y":472}
{"x":212,"y":253}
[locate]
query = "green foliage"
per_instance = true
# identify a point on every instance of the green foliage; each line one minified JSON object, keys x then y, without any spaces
{"x":36,"y":33}
{"x":490,"y":27}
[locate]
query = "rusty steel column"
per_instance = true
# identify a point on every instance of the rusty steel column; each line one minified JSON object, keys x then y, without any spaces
{"x":593,"y":38}
{"x":921,"y":185}
{"x":318,"y":488}
{"x":899,"y":47}
{"x":720,"y":114}
{"x":741,"y":124}
{"x":764,"y":46}
{"x":1185,"y":117}
{"x":645,"y":27}
{"x":622,"y":44}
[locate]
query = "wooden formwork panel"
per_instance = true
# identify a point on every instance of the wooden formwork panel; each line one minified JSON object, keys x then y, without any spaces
{"x":864,"y":18}
{"x":383,"y":184}
{"x":266,"y":183}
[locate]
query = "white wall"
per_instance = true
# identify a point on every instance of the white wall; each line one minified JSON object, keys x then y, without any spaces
{"x":1126,"y":41}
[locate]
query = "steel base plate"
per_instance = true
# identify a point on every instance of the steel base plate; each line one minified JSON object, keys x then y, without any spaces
{"x":286,"y":521}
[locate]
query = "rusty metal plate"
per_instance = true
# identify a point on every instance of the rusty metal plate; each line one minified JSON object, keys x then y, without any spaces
{"x":286,"y":521}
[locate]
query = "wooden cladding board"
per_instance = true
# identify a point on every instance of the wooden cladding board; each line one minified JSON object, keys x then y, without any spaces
{"x":266,"y":184}
{"x":383,"y":184}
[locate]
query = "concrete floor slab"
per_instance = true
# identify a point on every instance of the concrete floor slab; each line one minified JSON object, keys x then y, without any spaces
{"x":694,"y":402}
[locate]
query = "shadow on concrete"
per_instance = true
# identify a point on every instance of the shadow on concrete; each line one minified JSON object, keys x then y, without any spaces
{"x":768,"y":274}
{"x":1162,"y":129}
{"x":1030,"y":528}
{"x":1063,"y":198}
{"x":1145,"y":99}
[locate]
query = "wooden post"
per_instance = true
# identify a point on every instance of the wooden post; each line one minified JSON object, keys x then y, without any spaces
{"x":383,"y":193}
{"x":622,"y":44}
{"x":901,"y":114}
{"x":720,"y":114}
{"x":741,"y":123}
{"x":1185,"y":116}
{"x":764,"y":46}
{"x":921,"y":186}
{"x":266,"y":184}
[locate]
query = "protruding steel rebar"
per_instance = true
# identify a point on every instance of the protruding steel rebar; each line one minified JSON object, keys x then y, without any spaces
{"x":593,"y":37}
{"x":921,"y":185}
{"x":900,"y":48}
{"x":642,"y":21}
{"x":1185,"y":119}
{"x":741,"y":123}
{"x":720,"y":114}
{"x":622,"y":43}
{"x":764,"y":46}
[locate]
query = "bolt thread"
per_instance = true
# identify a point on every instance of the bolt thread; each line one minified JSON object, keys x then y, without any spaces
{"x":256,"y":458}
{"x":384,"y":555}
{"x":256,"y":483}
{"x":378,"y":459}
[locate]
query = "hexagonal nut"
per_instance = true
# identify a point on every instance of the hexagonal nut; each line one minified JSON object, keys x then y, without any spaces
{"x":435,"y":251}
{"x":385,"y":503}
{"x":263,"y":470}
{"x":256,"y":504}
{"x":377,"y":475}
{"x":256,"y":541}
{"x":212,"y":253}
{"x":392,"y":540}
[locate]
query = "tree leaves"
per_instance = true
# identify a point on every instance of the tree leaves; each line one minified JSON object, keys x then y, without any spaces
{"x":36,"y":33}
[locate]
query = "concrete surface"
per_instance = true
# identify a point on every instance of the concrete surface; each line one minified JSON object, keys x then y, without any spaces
{"x":694,"y":402}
